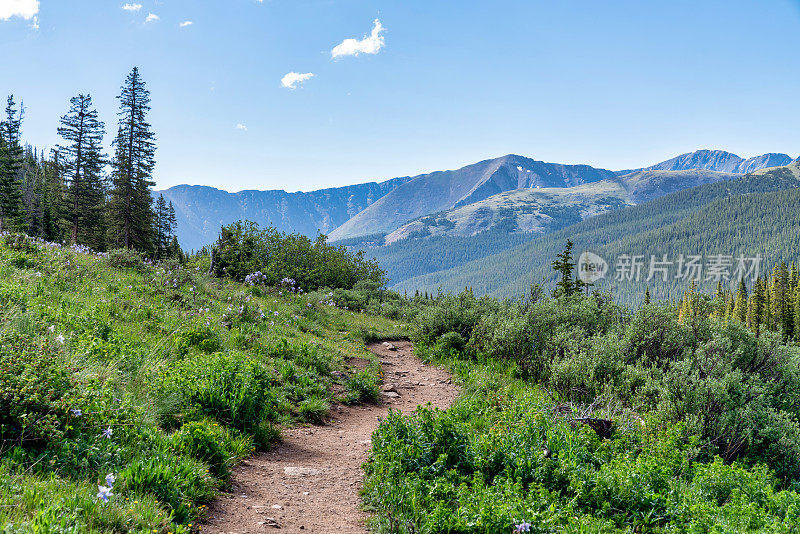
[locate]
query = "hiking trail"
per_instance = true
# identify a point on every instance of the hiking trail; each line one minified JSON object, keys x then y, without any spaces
{"x":310,"y":481}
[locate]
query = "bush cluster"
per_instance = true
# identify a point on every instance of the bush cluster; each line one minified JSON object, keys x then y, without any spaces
{"x":243,"y":248}
{"x":477,"y":468}
{"x":740,"y":393}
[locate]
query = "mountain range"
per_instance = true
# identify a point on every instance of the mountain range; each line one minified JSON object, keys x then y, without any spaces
{"x":430,"y":193}
{"x":496,"y":198}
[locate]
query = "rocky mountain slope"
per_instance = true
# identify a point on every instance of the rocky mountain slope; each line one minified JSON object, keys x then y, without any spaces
{"x":430,"y":193}
{"x":543,"y":210}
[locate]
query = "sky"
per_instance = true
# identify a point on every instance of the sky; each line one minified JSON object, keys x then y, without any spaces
{"x":308,"y":94}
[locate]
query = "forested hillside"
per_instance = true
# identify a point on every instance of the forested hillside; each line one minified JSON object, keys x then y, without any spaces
{"x":687,"y":216}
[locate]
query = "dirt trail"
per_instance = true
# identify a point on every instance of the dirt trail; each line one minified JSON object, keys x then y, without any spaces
{"x":310,"y":482}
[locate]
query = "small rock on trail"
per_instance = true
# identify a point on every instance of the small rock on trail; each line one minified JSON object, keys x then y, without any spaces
{"x":315,"y":472}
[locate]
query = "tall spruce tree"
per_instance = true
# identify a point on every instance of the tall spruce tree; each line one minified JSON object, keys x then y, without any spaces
{"x":740,"y":307}
{"x":797,"y":315}
{"x":131,"y":213}
{"x":162,"y":227}
{"x":83,"y":162}
{"x":10,"y":164}
{"x":172,"y":219}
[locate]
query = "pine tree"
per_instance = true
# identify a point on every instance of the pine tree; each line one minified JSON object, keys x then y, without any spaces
{"x":10,"y":164}
{"x":781,"y":305}
{"x":740,"y":307}
{"x":792,"y":326}
{"x":131,"y":212}
{"x":647,"y":296}
{"x":565,"y":264}
{"x":50,"y":197}
{"x":688,"y":307}
{"x":797,"y":315}
{"x":83,"y":162}
{"x":162,"y":228}
{"x":31,"y":177}
{"x":172,"y":219}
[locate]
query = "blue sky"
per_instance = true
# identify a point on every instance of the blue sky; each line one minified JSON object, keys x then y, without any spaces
{"x":615,"y":84}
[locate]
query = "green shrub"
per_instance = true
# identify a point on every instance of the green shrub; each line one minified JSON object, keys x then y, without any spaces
{"x":501,"y":455}
{"x":36,"y":392}
{"x":243,"y":248}
{"x":233,"y":388}
{"x":451,"y":341}
{"x":126,"y":258}
{"x":213,"y":444}
{"x":363,"y":386}
{"x":181,"y":483}
{"x":450,"y":313}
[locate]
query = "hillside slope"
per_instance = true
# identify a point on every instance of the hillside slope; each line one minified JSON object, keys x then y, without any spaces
{"x":509,"y":273}
{"x":430,"y":193}
{"x":153,"y":381}
{"x":201,"y":210}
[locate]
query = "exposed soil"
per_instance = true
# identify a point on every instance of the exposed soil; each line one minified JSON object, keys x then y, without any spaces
{"x":310,"y":481}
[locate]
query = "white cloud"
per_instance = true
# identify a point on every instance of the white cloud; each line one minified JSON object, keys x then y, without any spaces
{"x":294,"y":79}
{"x":132,"y":7}
{"x":370,"y":44}
{"x":27,"y":9}
{"x":185,"y":23}
{"x":152,"y":17}
{"x":242,"y":127}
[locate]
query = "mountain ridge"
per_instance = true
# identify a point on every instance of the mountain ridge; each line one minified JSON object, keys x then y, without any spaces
{"x":717,"y":160}
{"x":546,"y":209}
{"x":337,"y":211}
{"x":441,"y":190}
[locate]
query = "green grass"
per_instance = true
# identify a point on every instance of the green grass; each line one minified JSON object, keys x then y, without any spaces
{"x":182,"y":368}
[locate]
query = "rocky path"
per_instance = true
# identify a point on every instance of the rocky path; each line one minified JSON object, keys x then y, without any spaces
{"x":310,"y":482}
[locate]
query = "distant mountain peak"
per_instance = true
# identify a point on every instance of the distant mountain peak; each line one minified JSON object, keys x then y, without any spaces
{"x":717,"y":160}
